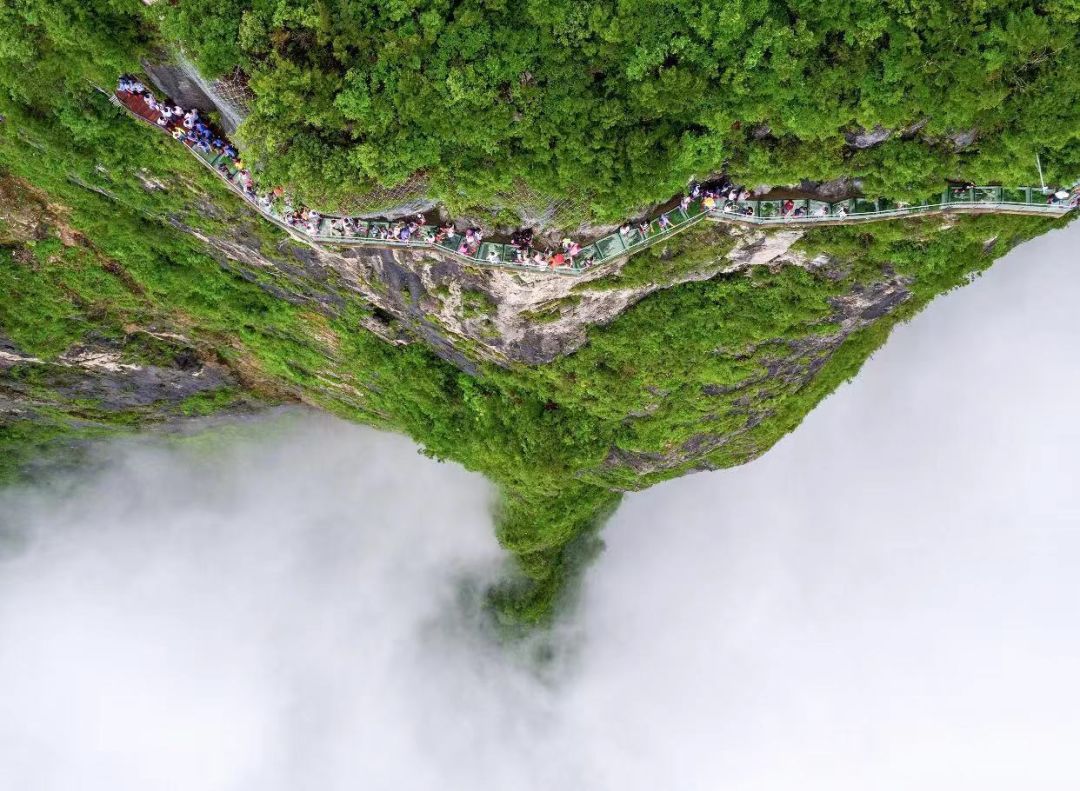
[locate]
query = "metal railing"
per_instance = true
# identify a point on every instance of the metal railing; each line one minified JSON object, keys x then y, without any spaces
{"x":976,"y":200}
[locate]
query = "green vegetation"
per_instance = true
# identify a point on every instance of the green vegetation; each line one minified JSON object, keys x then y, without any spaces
{"x":551,"y":311}
{"x":475,"y":304}
{"x":626,"y":101}
{"x":681,"y":255}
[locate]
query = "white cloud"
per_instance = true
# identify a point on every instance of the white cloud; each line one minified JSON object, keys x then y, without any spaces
{"x":887,"y":600}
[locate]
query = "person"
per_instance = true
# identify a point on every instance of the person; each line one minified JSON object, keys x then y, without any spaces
{"x":573,"y":249}
{"x":589,"y":262}
{"x":178,"y":134}
{"x":800,"y":211}
{"x":842,"y":211}
{"x":729,"y":207}
{"x":695,"y":190}
{"x":538,"y":258}
{"x":463,"y":248}
{"x":787,"y":207}
{"x":709,"y":202}
{"x":822,"y":210}
{"x":165,"y":115}
{"x":558,"y":260}
{"x":190,"y":118}
{"x":625,"y":229}
{"x":643,"y":229}
{"x":493,"y":256}
{"x":130,"y":85}
{"x":664,"y":222}
{"x":684,"y":204}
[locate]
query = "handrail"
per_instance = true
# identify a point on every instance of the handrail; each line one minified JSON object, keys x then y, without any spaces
{"x":620,"y":243}
{"x":979,"y":207}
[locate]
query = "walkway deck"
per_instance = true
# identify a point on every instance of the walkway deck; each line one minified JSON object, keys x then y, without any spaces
{"x":799,"y":214}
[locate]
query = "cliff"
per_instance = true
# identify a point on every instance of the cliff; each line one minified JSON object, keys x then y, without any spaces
{"x":139,"y":292}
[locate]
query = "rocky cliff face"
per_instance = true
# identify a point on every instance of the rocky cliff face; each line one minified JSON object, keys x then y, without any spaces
{"x":499,"y":315}
{"x":99,"y":373}
{"x":462,"y":311}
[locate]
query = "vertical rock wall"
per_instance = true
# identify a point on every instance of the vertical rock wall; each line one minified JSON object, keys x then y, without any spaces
{"x":179,"y":78}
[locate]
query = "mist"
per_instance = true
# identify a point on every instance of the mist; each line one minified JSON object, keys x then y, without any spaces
{"x":887,"y":600}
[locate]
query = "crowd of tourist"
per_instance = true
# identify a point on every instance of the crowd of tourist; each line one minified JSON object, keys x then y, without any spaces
{"x":189,"y":128}
{"x":721,"y":196}
{"x":194,"y":131}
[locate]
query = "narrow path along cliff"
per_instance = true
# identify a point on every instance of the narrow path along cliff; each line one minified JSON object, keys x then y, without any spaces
{"x":720,"y":202}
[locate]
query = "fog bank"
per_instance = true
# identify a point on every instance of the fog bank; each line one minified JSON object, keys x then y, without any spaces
{"x":887,"y":600}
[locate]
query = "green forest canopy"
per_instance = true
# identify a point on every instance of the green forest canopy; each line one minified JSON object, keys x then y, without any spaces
{"x":618,"y":103}
{"x":624,"y":102}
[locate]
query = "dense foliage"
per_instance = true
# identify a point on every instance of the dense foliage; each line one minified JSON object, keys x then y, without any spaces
{"x":625,"y":101}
